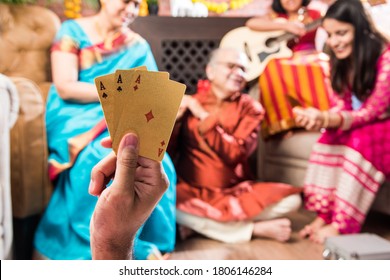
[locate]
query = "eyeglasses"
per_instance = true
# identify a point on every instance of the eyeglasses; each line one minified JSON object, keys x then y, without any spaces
{"x":232,"y":66}
{"x":136,"y":3}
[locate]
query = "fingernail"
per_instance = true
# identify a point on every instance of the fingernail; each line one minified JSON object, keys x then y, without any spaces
{"x":131,"y":140}
{"x":91,"y":183}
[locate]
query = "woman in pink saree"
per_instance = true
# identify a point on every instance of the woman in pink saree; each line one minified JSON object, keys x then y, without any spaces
{"x":352,"y":157}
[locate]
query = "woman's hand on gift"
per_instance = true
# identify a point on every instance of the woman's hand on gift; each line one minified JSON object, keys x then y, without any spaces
{"x":310,"y":118}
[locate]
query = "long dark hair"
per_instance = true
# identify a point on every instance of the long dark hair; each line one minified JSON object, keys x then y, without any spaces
{"x":278,"y":8}
{"x":367,"y":47}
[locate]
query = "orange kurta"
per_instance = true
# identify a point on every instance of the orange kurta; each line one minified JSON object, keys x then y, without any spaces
{"x":212,"y":166}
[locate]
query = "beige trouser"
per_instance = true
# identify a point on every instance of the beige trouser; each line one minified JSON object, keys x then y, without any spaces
{"x":241,"y":231}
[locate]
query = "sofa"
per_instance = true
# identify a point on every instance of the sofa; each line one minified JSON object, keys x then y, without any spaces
{"x":26,"y":34}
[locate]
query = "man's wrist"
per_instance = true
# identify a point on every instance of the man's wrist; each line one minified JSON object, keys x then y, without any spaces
{"x":112,"y":252}
{"x":112,"y":255}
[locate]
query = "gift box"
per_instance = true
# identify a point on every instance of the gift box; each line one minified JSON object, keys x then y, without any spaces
{"x":304,"y":77}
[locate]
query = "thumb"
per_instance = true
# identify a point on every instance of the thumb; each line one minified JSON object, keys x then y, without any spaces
{"x":297,"y":110}
{"x":126,"y":162}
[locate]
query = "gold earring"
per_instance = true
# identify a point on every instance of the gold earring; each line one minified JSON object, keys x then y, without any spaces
{"x":102,"y":4}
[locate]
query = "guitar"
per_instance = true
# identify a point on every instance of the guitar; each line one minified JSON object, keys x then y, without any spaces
{"x":261,"y":46}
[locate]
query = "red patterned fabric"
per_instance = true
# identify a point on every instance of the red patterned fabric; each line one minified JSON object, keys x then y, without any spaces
{"x":89,"y":55}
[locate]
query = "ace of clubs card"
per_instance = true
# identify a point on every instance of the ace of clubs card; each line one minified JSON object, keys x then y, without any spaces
{"x":106,"y":91}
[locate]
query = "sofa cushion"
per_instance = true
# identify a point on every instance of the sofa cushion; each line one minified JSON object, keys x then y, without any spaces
{"x":26,"y":34}
{"x":296,"y":145}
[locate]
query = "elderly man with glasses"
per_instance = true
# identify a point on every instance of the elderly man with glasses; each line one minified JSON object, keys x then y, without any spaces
{"x":215,"y":134}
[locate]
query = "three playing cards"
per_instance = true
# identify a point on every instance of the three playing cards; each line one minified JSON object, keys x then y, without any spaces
{"x":140,"y":101}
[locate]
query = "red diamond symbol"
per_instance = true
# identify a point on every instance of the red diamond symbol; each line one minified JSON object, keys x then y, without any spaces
{"x":149,"y":116}
{"x":162,"y":143}
{"x":135,"y":87}
{"x":160,"y":151}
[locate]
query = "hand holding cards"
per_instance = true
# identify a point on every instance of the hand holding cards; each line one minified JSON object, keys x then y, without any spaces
{"x":140,"y":101}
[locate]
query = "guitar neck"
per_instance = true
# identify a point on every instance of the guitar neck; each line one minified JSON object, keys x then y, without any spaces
{"x":288,"y":36}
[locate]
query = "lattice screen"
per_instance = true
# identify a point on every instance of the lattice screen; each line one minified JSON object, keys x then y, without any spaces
{"x":185,"y":60}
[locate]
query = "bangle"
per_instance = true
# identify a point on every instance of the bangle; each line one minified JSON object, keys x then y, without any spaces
{"x":325,"y":123}
{"x":346,"y":121}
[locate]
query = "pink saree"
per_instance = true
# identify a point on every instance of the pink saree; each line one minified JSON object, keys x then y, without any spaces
{"x":348,"y":165}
